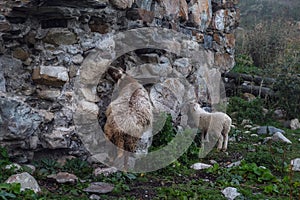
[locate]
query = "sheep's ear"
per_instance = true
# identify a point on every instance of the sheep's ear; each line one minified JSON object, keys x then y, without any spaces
{"x":195,"y":107}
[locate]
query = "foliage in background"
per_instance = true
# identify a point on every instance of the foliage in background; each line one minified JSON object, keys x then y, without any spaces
{"x":269,"y":31}
{"x":254,"y":11}
{"x":244,"y":64}
{"x":266,"y":43}
{"x":241,"y":109}
{"x":286,"y":86}
{"x":287,"y":89}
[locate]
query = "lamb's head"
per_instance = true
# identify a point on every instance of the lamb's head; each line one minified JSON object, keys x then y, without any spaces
{"x":196,"y":108}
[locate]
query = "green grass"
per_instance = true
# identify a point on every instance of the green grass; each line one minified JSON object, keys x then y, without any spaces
{"x":244,"y":64}
{"x":178,"y":181}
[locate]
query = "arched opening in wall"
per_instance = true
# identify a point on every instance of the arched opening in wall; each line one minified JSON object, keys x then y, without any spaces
{"x":157,"y":70}
{"x":172,"y":80}
{"x":166,"y":78}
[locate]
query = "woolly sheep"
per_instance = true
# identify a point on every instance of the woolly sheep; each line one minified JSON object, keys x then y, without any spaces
{"x":215,"y":124}
{"x":129,"y":115}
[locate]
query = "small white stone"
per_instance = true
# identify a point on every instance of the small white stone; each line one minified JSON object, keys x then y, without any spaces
{"x":105,"y":171}
{"x":199,"y":166}
{"x":230,"y":193}
{"x":213,"y":162}
{"x":246,"y":122}
{"x":14,"y":165}
{"x":254,"y":128}
{"x":295,"y":124}
{"x":248,"y":126}
{"x":64,"y":177}
{"x":95,"y":197}
{"x":295,"y":164}
{"x":234,"y":164}
{"x":280,"y":137}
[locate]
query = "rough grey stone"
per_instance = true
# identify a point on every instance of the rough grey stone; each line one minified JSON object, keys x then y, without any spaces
{"x":60,"y":37}
{"x":122,"y":4}
{"x":4,"y":26}
{"x":278,"y":137}
{"x":26,"y":181}
{"x":269,"y":130}
{"x":234,"y":164}
{"x":15,"y":75}
{"x":51,"y":75}
{"x":201,"y":13}
{"x":144,"y":4}
{"x":2,"y":81}
{"x":64,"y":177}
{"x":18,"y":121}
{"x":183,"y":66}
{"x":105,"y":171}
{"x":170,"y":95}
{"x":49,"y":94}
{"x":99,"y":188}
{"x":59,"y":138}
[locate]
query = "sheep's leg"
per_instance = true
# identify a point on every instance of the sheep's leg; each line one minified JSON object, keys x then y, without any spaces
{"x":220,"y":142}
{"x":225,"y":135}
{"x":202,"y":136}
{"x":225,"y":142}
{"x":120,"y":145}
{"x":205,"y":136}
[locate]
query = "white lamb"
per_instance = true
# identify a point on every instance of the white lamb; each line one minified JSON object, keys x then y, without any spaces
{"x":215,"y":124}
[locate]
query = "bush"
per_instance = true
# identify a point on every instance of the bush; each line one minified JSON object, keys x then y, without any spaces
{"x":287,"y":89}
{"x":240,"y":109}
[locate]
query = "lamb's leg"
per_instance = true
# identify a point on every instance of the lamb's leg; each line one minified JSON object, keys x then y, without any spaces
{"x":220,"y":142}
{"x":225,"y":135}
{"x":202,"y":136}
{"x":225,"y":141}
{"x":205,"y":135}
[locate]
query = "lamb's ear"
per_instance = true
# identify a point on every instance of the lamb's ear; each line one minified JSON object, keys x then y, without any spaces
{"x":195,"y":107}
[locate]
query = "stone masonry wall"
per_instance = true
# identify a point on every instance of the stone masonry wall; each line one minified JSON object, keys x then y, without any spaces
{"x":54,"y":55}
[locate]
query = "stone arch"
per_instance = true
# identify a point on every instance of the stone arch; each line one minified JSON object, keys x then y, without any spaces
{"x":98,"y":60}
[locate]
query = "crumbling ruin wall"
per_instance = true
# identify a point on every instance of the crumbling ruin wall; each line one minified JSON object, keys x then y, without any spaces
{"x":54,"y":56}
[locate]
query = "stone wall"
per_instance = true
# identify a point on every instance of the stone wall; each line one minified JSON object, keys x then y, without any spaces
{"x":54,"y":56}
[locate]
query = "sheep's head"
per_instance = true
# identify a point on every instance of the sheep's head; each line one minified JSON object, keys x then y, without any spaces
{"x":116,"y":73}
{"x":195,"y":107}
{"x":121,"y":78}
